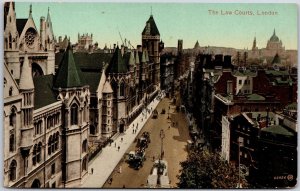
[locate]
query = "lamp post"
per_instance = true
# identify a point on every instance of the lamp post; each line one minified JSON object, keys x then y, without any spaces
{"x":169,"y":112}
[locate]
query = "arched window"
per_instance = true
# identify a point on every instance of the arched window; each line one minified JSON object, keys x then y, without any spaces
{"x":84,"y":164}
{"x":84,"y":145}
{"x":122,"y":89}
{"x":92,"y":130}
{"x":10,"y":91}
{"x":12,"y":140}
{"x":56,"y":140}
{"x":13,"y":170}
{"x":39,"y":152}
{"x":34,"y":155}
{"x":12,"y":117}
{"x":74,"y":114}
{"x":49,"y":145}
{"x":10,"y":41}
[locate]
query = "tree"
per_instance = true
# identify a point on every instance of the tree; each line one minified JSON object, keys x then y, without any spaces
{"x":204,"y":169}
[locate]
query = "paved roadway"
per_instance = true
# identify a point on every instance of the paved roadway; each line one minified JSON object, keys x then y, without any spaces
{"x":174,"y":145}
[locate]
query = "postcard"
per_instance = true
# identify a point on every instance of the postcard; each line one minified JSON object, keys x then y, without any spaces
{"x":150,"y":95}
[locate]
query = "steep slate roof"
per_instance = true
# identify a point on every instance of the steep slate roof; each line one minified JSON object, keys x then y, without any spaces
{"x":87,"y":61}
{"x":68,"y":74}
{"x":43,"y":94}
{"x":117,"y":63}
{"x":92,"y":79}
{"x":21,"y":24}
{"x":153,"y":28}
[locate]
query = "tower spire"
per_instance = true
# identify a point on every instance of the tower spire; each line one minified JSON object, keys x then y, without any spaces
{"x":151,"y":11}
{"x":274,"y":32}
{"x":30,"y":11}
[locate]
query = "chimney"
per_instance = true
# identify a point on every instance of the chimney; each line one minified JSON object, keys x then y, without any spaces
{"x":59,"y":39}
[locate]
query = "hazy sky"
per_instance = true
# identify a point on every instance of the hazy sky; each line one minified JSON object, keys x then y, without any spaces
{"x":187,"y":21}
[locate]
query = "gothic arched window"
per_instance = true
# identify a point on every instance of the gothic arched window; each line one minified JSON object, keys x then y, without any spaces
{"x":10,"y":41}
{"x":49,"y":145}
{"x":12,"y":117}
{"x":74,"y":114}
{"x":122,"y":89}
{"x":13,"y":170}
{"x":12,"y":140}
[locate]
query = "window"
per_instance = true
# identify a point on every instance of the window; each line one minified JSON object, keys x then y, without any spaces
{"x":56,"y":140}
{"x":10,"y":41}
{"x":12,"y":140}
{"x":12,"y":117}
{"x":74,"y":114}
{"x":10,"y":91}
{"x":84,"y":145}
{"x":53,"y":169}
{"x":53,"y":185}
{"x":240,"y":82}
{"x":34,"y":155}
{"x":12,"y":170}
{"x":229,"y":87}
{"x":49,"y":145}
{"x":122,"y":89}
{"x":84,"y":164}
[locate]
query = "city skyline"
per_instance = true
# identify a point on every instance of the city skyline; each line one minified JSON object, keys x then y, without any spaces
{"x":211,"y":24}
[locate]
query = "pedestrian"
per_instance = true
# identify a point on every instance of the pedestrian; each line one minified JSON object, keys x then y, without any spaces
{"x":120,"y":169}
{"x":115,"y":144}
{"x":118,"y":148}
{"x":132,"y":131}
{"x":121,"y":139}
{"x":169,"y":126}
{"x":92,"y":170}
{"x":110,"y":180}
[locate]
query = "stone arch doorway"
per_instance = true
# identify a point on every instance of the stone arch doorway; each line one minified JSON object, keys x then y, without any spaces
{"x":36,"y":184}
{"x":36,"y":70}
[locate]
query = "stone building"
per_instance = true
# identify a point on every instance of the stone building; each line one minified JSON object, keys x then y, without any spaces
{"x":56,"y":105}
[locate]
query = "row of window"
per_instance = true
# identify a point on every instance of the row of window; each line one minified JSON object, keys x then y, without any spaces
{"x":53,"y":143}
{"x":36,"y":154}
{"x":53,"y":120}
{"x":38,"y":127}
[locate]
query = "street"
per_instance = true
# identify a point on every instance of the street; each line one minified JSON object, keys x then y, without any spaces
{"x":174,"y":146}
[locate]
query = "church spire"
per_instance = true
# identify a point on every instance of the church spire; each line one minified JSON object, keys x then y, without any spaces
{"x":30,"y":11}
{"x":274,"y":33}
{"x":26,"y":81}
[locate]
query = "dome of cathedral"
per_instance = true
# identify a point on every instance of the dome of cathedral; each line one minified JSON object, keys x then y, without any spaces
{"x":274,"y":38}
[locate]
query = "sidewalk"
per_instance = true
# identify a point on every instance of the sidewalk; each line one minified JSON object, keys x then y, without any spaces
{"x":108,"y":159}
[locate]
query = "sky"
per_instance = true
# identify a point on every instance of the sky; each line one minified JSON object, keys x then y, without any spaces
{"x":187,"y":21}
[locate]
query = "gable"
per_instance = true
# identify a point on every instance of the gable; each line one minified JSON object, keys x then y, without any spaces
{"x":9,"y":82}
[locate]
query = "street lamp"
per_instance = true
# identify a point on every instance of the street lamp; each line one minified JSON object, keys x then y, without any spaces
{"x":169,"y":113}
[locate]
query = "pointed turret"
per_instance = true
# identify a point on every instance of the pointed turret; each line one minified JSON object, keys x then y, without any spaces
{"x":150,"y":28}
{"x":137,"y":59}
{"x":26,"y":81}
{"x":131,"y":59}
{"x":68,"y":74}
{"x":117,"y":64}
{"x":143,"y":57}
{"x":146,"y":56}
